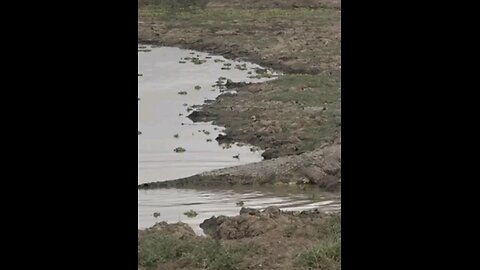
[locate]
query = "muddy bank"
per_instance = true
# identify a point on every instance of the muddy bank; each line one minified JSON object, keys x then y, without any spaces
{"x":275,"y":4}
{"x":291,"y":36}
{"x":320,"y":168}
{"x":269,"y":239}
{"x":288,"y":116}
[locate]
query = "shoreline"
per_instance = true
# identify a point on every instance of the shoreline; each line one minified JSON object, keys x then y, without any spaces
{"x":296,"y":119}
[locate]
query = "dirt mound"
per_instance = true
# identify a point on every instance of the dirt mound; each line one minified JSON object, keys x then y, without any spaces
{"x":178,"y":230}
{"x":252,"y":223}
{"x":268,"y":239}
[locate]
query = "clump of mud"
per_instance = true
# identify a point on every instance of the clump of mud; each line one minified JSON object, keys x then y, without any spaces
{"x":177,"y":230}
{"x":252,"y":222}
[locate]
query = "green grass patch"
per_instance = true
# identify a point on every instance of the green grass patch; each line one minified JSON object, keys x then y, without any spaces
{"x":190,"y":214}
{"x":155,"y":249}
{"x":326,"y":254}
{"x":307,"y":90}
{"x":229,"y":16}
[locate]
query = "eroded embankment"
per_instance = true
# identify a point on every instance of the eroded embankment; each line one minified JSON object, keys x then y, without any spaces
{"x":269,"y":239}
{"x":317,"y":168}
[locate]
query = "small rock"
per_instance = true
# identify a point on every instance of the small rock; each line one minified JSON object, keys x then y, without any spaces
{"x":272,"y":211}
{"x":249,"y":211}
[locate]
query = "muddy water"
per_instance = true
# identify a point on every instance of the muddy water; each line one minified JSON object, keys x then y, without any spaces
{"x":164,"y":126}
{"x":162,"y":113}
{"x":172,"y":203}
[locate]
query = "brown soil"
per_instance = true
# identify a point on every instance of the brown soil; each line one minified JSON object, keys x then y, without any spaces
{"x":275,"y":4}
{"x":293,"y":40}
{"x":292,"y":234}
{"x":277,"y":117}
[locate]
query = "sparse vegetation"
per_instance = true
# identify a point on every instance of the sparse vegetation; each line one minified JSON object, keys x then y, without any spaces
{"x":174,"y":5}
{"x":156,"y":249}
{"x":179,"y":150}
{"x":190,"y":213}
{"x":326,"y":253}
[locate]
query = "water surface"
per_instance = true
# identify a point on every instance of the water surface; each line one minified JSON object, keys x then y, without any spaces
{"x":162,"y":113}
{"x":172,"y":203}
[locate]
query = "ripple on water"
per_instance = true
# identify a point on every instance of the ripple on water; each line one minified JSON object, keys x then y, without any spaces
{"x":172,"y":203}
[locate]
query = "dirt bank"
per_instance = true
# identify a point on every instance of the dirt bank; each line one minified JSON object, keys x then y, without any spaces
{"x":302,"y":240}
{"x":288,"y":116}
{"x":280,"y":36}
{"x":320,"y":168}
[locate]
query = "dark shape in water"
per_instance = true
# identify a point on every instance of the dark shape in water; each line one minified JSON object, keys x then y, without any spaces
{"x":190,"y":214}
{"x":179,"y":150}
